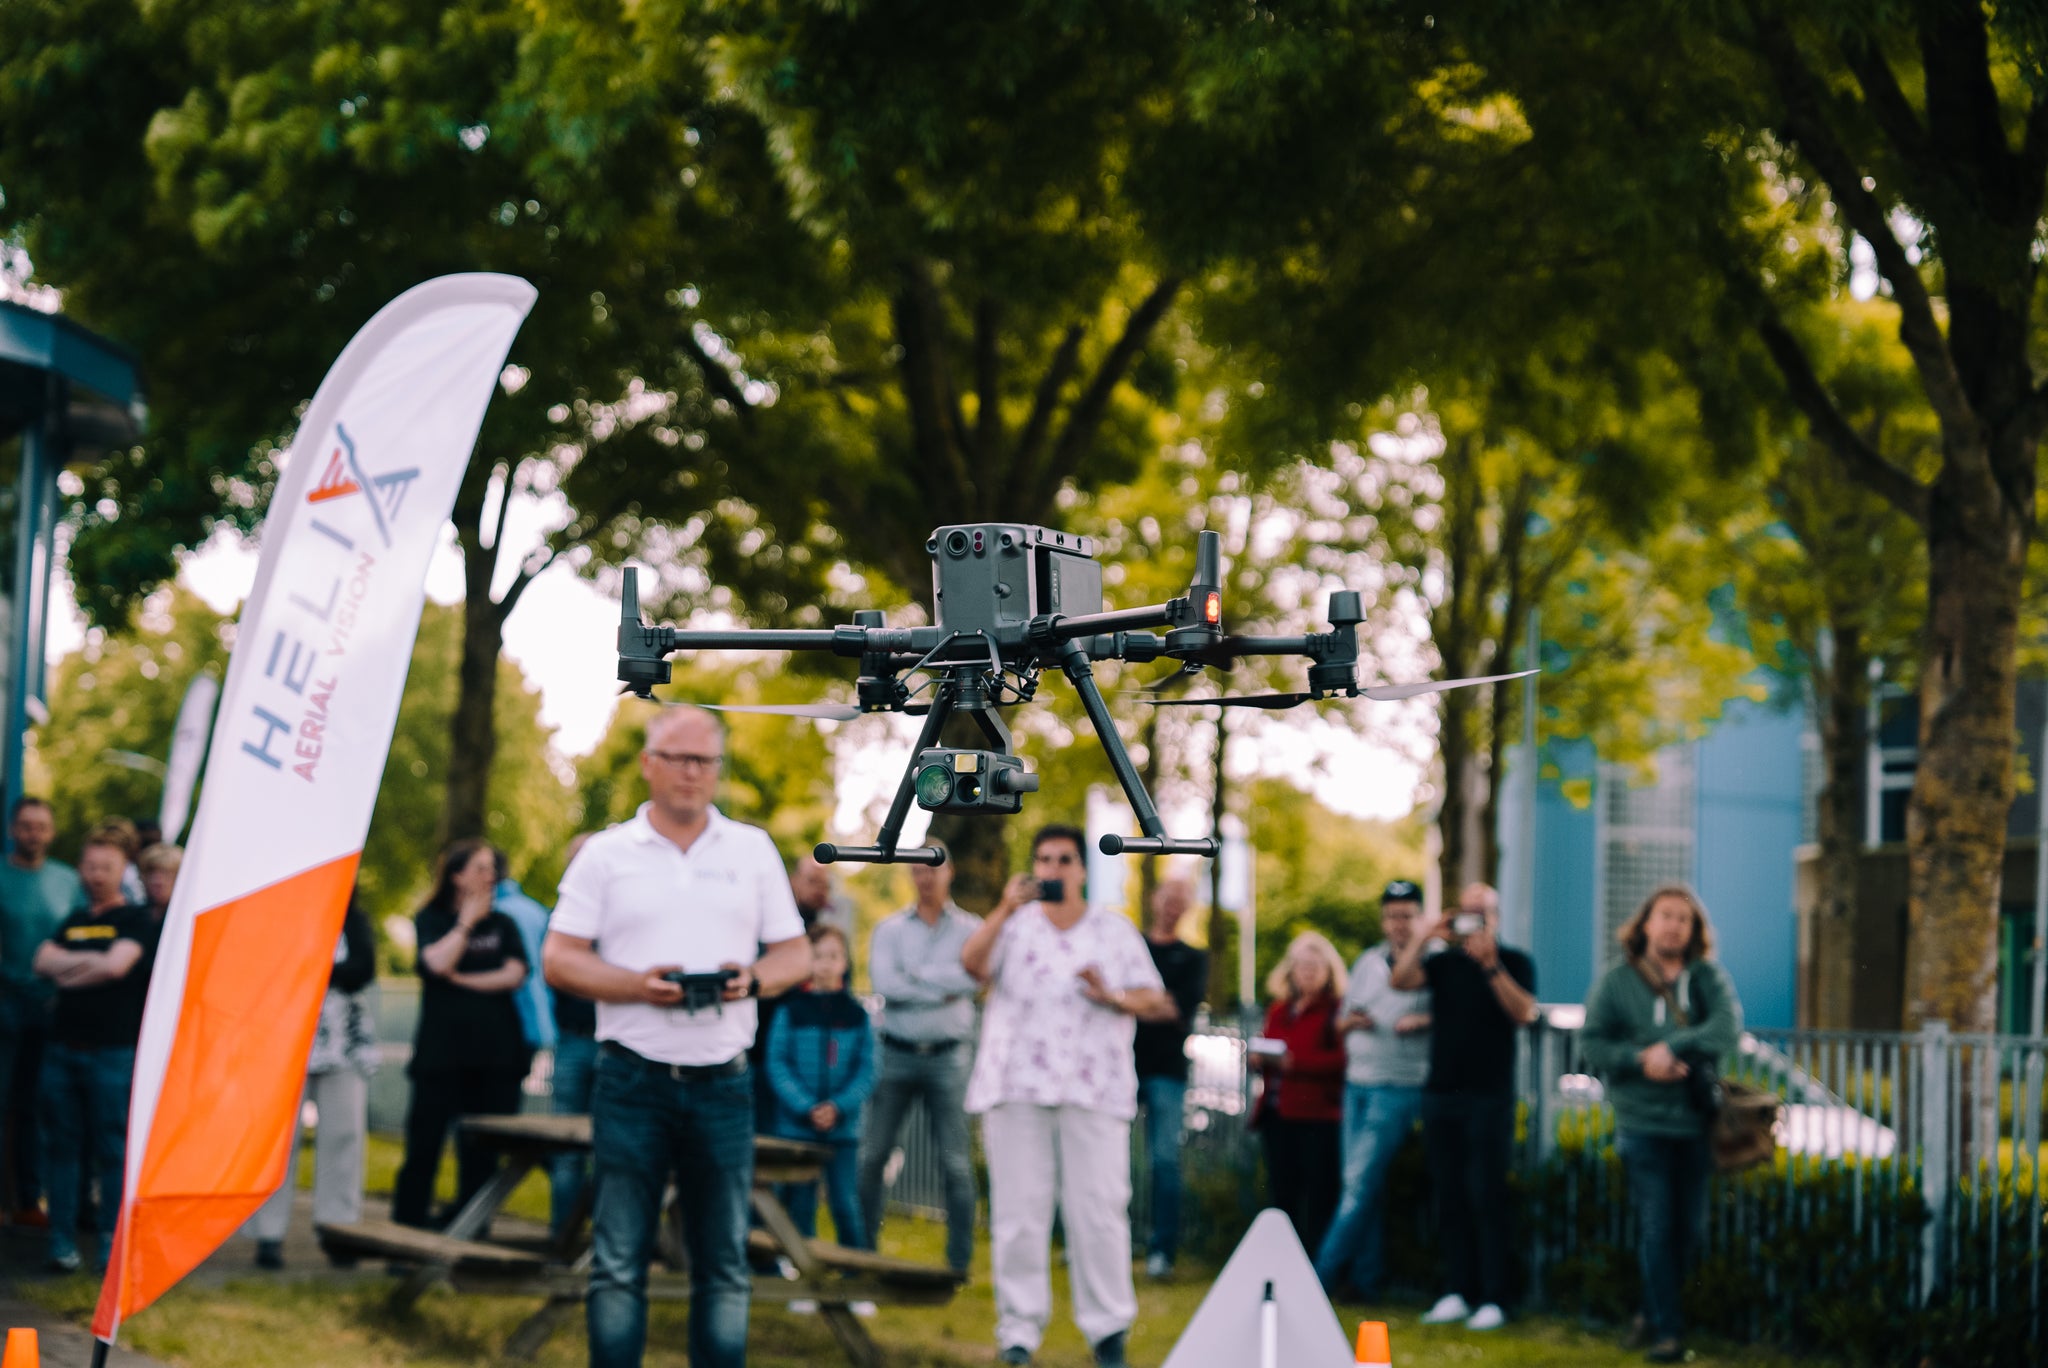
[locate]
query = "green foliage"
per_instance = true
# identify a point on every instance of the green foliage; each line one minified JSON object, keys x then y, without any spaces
{"x":778,"y":771}
{"x":122,"y":691}
{"x":1319,"y":870}
{"x":528,"y":812}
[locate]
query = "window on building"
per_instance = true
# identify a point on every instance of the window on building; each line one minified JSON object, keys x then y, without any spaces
{"x":1893,"y":756}
{"x":1647,"y":838}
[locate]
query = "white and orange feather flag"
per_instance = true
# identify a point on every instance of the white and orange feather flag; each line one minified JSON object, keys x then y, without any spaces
{"x":298,"y":749}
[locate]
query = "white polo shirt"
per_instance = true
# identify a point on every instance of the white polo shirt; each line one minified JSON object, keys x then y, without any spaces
{"x":646,"y":903}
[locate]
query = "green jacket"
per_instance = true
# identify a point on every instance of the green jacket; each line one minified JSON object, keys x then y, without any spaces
{"x":1625,"y":1016}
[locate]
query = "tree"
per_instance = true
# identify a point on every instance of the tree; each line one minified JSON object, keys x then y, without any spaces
{"x":118,"y":695}
{"x":234,"y":199}
{"x":1830,"y":580}
{"x":1925,"y":130}
{"x":121,"y":692}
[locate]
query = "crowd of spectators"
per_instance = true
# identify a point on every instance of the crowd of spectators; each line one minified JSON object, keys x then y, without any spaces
{"x":1057,"y":1022}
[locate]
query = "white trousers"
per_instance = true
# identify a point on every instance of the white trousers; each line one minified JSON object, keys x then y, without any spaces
{"x":343,"y":1097}
{"x":1081,"y":1160}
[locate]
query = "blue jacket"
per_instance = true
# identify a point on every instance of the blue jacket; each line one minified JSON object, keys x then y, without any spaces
{"x":536,"y":1008}
{"x":821,"y":1048}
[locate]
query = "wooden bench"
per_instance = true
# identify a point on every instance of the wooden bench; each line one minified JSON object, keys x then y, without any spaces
{"x":463,"y":1255}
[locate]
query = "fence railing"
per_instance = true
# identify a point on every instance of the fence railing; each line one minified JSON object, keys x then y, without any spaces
{"x":1907,"y":1202}
{"x":1908,"y":1182}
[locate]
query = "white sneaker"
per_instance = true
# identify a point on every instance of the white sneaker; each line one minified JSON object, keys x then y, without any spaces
{"x":1450,"y":1308}
{"x":1487,"y":1317}
{"x":785,"y":1268}
{"x":1158,"y":1266}
{"x":803,"y":1306}
{"x":865,"y":1310}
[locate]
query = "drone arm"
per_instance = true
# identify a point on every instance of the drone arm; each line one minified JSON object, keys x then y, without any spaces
{"x":748,"y":639}
{"x":1074,"y":663}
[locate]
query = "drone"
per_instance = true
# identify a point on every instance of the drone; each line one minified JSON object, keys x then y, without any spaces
{"x":1010,"y":602}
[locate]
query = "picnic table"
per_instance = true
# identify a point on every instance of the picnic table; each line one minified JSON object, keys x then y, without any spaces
{"x":466,"y":1256}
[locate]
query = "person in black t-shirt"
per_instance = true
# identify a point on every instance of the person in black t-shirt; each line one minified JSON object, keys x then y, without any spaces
{"x":1481,"y":996}
{"x":1161,"y":1048}
{"x":469,"y":1054}
{"x":99,"y":958}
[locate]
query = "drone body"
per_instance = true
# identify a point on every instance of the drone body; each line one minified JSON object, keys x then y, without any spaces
{"x":1011,"y":601}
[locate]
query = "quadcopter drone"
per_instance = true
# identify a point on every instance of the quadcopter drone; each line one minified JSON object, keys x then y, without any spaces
{"x":1011,"y":601}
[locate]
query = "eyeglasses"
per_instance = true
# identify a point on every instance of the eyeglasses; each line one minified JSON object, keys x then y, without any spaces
{"x":683,"y":760}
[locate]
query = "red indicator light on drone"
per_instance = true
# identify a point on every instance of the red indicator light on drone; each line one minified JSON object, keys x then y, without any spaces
{"x":1212,"y":608}
{"x":977,"y":543}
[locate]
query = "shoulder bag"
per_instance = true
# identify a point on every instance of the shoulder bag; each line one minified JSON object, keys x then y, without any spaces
{"x":1741,"y":1118}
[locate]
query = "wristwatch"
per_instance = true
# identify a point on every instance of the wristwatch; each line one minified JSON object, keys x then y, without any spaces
{"x":1493,"y":969}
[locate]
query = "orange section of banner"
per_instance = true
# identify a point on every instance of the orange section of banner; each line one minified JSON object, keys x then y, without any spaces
{"x":225,"y":1119}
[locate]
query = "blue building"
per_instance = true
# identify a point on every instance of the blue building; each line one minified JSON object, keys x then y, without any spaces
{"x":1725,"y":814}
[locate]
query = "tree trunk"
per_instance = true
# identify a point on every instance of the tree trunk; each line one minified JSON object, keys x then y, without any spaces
{"x":1453,"y":817}
{"x":1841,"y":689}
{"x":473,"y":736}
{"x":1963,"y":791}
{"x":473,"y":733}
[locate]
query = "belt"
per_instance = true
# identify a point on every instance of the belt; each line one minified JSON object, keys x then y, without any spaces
{"x":919,"y":1047}
{"x":681,"y":1073}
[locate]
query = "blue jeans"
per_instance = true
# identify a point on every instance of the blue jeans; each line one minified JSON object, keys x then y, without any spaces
{"x":841,"y":1194}
{"x":1378,"y":1119}
{"x":569,"y":1174}
{"x":1667,"y":1186}
{"x":646,"y":1125}
{"x":1164,"y":1099}
{"x":85,"y":1117}
{"x":939,"y":1082}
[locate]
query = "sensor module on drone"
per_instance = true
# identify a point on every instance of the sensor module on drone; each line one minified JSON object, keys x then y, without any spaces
{"x":1009,"y":602}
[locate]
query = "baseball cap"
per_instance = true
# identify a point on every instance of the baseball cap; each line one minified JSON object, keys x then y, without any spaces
{"x":1401,"y":890}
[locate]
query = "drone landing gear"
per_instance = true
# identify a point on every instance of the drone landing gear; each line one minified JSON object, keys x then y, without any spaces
{"x":884,"y":850}
{"x":1081,"y":674}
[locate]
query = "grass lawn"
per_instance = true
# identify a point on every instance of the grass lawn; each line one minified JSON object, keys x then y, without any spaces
{"x":257,"y":1322}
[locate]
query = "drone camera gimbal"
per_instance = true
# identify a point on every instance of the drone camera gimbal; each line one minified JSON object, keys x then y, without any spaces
{"x":1011,"y":601}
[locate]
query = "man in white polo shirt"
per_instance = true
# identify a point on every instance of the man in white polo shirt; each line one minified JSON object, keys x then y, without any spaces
{"x":679,"y":887}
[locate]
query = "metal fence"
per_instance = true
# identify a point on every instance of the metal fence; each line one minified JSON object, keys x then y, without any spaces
{"x":1905,"y":1211}
{"x":1908,"y":1180}
{"x":1907,"y":1201}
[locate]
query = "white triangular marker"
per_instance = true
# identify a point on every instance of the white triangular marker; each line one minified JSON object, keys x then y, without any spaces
{"x":1225,"y":1330}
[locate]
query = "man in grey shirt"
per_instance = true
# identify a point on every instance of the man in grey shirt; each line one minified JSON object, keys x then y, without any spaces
{"x":1386,"y":1044}
{"x":927,"y":1025}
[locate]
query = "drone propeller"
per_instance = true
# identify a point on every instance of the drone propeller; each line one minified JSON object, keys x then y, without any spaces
{"x":1383,"y":693}
{"x":824,"y":712}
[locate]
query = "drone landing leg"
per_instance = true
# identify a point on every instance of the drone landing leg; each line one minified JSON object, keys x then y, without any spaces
{"x":1074,"y":664}
{"x":884,"y":850}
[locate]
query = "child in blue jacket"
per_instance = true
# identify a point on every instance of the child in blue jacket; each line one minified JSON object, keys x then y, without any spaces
{"x":821,"y":1066}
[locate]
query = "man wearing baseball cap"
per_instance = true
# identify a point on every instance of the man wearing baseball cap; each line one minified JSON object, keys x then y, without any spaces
{"x":1386,"y":1044}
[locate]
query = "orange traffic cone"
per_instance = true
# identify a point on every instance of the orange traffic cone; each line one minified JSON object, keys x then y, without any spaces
{"x":21,"y":1350}
{"x":1373,"y":1351}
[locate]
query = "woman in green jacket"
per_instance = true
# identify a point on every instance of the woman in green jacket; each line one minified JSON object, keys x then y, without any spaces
{"x":1662,"y":1015}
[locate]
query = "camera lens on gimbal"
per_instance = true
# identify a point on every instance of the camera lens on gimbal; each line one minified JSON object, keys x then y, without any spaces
{"x":956,"y":543}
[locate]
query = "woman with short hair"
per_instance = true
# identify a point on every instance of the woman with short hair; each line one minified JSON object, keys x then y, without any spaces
{"x":1302,"y":1106}
{"x":1657,"y":1025}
